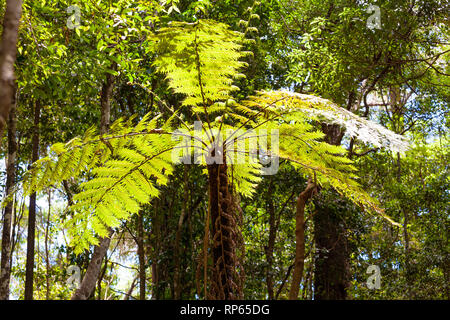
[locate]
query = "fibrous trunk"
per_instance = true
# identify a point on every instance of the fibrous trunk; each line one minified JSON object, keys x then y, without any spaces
{"x":225,"y":278}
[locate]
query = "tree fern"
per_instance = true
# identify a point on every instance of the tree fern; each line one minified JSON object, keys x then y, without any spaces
{"x":120,"y":171}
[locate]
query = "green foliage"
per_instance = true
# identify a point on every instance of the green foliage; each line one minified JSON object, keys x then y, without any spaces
{"x":170,"y":73}
{"x":300,"y":143}
{"x":418,"y":192}
{"x":199,"y":60}
{"x":125,"y":166}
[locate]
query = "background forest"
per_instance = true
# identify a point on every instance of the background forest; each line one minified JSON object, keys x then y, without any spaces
{"x":93,"y":92}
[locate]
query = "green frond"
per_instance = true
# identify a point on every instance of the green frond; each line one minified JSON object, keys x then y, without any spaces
{"x":126,"y":166}
{"x":199,"y":60}
{"x":245,"y":177}
{"x":291,"y":105}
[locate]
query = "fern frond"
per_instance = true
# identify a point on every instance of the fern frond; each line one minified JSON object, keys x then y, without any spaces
{"x":125,"y":166}
{"x":290,"y":113}
{"x":324,"y":110}
{"x":199,"y":60}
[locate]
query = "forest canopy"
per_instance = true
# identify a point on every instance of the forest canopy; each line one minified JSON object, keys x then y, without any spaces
{"x":222,"y":150}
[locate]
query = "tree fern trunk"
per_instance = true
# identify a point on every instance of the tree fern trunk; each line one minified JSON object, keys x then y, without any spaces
{"x":225,"y":282}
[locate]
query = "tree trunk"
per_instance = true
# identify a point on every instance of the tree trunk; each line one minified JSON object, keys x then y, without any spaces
{"x":130,"y":290}
{"x":408,"y":266}
{"x":271,"y":242}
{"x":300,"y":240}
{"x":331,"y":277}
{"x":225,"y":282}
{"x":286,"y":277}
{"x":408,"y":269}
{"x":87,"y":286}
{"x":16,"y":235}
{"x":141,"y":254}
{"x":331,"y":272}
{"x":90,"y":278}
{"x":29,"y":271}
{"x":105,"y":101}
{"x":47,"y":253}
{"x":177,"y":264}
{"x":8,"y":51}
{"x":5,"y":267}
{"x":154,"y":281}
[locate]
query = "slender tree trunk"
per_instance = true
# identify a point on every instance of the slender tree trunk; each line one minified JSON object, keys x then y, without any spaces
{"x":29,"y":271}
{"x":409,"y":273}
{"x":300,"y":240}
{"x":271,"y":242}
{"x":130,"y":290}
{"x":16,"y":234}
{"x":87,"y":286}
{"x":105,"y":101}
{"x":177,"y":279}
{"x":141,"y":255}
{"x":93,"y":271}
{"x":154,"y":281}
{"x":176,"y":258}
{"x":100,"y":279}
{"x":8,"y":51}
{"x":47,"y":258}
{"x":156,"y":227}
{"x":226,"y":282}
{"x":286,"y":277}
{"x":5,"y":267}
{"x":408,"y":267}
{"x":38,"y":258}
